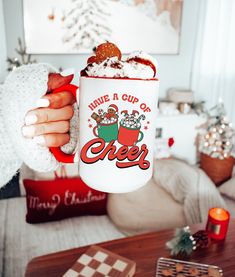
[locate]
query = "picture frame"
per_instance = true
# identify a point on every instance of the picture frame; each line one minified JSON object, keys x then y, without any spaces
{"x":77,"y":26}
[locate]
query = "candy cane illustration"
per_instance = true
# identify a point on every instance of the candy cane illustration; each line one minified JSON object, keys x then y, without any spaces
{"x":134,"y":112}
{"x":141,"y":117}
{"x":125,"y":112}
{"x":100,"y":111}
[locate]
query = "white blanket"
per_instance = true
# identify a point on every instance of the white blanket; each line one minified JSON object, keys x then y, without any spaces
{"x":190,"y":186}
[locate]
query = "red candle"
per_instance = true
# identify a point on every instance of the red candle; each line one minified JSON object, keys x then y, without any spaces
{"x":217,"y":223}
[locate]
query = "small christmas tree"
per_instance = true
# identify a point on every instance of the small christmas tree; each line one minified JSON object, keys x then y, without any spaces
{"x":25,"y":58}
{"x":182,"y":244}
{"x":217,"y":140}
{"x":86,"y":24}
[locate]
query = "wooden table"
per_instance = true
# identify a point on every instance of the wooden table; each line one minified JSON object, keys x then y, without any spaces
{"x":145,"y":250}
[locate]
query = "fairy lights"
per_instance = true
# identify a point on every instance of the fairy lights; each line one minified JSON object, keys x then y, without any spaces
{"x":216,"y":139}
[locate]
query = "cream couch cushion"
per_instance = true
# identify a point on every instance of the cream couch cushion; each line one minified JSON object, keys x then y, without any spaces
{"x":147,"y":209}
{"x":228,"y":188}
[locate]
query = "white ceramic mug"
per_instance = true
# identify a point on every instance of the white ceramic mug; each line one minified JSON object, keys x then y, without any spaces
{"x":117,"y":131}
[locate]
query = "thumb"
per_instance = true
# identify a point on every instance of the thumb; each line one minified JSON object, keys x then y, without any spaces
{"x":56,"y":80}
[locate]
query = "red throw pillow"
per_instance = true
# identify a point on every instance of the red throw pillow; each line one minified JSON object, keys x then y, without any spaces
{"x":62,"y":198}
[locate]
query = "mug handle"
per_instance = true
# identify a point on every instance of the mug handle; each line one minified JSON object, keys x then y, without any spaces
{"x":56,"y":151}
{"x":95,"y":131}
{"x":141,"y":136}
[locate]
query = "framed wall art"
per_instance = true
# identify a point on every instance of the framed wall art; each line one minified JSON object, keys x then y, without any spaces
{"x":77,"y":26}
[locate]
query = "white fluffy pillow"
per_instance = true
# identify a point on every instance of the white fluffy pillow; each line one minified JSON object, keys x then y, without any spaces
{"x":228,"y":188}
{"x":149,"y":208}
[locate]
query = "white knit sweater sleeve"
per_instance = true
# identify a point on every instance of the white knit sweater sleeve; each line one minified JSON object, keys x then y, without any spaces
{"x":19,"y":94}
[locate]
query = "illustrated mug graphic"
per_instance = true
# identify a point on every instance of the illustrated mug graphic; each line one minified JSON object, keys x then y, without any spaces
{"x":129,"y":136}
{"x":107,"y":132}
{"x":114,"y":158}
{"x":129,"y":131}
{"x":107,"y":123}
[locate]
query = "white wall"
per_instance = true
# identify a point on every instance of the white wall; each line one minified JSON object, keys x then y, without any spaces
{"x":174,"y":70}
{"x":3,"y":50}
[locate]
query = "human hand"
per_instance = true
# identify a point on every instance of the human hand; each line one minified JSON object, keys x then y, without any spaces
{"x":49,"y":124}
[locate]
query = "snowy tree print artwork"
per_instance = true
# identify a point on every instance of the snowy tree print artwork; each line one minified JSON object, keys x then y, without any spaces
{"x":77,"y":26}
{"x":86,"y":24}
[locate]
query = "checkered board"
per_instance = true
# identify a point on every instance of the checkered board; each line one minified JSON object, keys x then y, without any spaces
{"x":99,"y":262}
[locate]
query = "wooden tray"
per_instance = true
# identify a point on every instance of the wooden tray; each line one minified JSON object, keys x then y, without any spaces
{"x":164,"y":263}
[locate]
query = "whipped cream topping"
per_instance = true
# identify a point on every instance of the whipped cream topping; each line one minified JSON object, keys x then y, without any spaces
{"x":144,"y":56}
{"x":112,"y":67}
